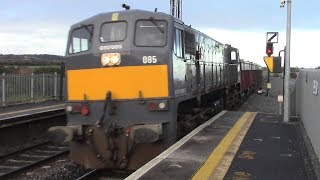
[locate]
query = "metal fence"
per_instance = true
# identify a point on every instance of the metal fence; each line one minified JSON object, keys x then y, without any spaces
{"x":16,"y":89}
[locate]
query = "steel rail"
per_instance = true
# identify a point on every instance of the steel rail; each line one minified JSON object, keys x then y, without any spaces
{"x":23,"y":149}
{"x":13,"y":159}
{"x":88,"y":174}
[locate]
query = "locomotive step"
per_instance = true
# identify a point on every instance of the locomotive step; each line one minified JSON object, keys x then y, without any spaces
{"x":234,"y":145}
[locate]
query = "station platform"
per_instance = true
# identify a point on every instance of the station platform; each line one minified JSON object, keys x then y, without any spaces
{"x":235,"y":145}
{"x":11,"y":113}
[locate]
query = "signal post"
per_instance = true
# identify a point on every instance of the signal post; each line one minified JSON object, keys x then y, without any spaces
{"x":273,"y":63}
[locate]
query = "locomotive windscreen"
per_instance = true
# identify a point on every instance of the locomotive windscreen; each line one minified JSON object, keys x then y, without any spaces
{"x":151,"y":33}
{"x":114,"y":31}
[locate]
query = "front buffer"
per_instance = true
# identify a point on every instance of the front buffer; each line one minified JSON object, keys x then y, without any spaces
{"x":117,"y":148}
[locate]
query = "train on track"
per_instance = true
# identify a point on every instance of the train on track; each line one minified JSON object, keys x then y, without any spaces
{"x":137,"y":81}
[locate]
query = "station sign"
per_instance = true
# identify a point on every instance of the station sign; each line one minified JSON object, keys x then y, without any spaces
{"x":315,"y":87}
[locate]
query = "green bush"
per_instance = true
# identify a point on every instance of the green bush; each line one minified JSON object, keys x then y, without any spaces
{"x":293,"y":75}
{"x":7,"y":69}
{"x":46,"y":70}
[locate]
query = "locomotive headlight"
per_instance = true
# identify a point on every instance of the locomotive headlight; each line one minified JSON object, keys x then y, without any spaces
{"x":110,"y":59}
{"x":69,"y":108}
{"x":115,"y":60}
{"x":105,"y":60}
{"x":162,"y":105}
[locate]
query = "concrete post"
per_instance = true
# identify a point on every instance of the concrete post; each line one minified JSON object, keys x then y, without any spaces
{"x":55,"y":93}
{"x":286,"y":109}
{"x":3,"y":81}
{"x":43,"y":86}
{"x":32,"y":87}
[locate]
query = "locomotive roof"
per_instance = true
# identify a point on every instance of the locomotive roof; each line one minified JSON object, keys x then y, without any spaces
{"x":128,"y":14}
{"x":125,"y":14}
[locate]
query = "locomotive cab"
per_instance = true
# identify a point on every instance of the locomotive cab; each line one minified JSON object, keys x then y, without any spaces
{"x":121,"y":54}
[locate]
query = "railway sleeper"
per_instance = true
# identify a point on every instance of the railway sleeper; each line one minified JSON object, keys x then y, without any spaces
{"x":34,"y":156}
{"x":19,"y":161}
{"x":46,"y":151}
{"x":8,"y":167}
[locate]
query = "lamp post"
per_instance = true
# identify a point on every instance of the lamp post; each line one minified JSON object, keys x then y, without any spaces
{"x":286,"y":109}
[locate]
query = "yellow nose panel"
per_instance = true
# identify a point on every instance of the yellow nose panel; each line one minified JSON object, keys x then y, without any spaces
{"x":123,"y":82}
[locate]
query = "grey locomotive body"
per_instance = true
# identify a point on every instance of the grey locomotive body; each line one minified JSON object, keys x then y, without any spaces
{"x":136,"y":82}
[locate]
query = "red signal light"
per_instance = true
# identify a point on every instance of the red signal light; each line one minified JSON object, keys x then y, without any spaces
{"x":269,"y":49}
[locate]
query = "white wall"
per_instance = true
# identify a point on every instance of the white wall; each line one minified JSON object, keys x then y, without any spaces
{"x":308,"y":105}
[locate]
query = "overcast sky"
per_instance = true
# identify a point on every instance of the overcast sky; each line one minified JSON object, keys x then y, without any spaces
{"x":41,"y":26}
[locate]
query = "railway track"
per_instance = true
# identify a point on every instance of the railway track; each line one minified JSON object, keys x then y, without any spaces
{"x":13,"y":163}
{"x":87,"y":174}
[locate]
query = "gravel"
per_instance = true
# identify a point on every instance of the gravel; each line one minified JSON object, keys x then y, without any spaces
{"x":263,"y":103}
{"x":62,"y":168}
{"x":260,"y":103}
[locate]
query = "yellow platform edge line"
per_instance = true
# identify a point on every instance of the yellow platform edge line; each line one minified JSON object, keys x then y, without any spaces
{"x":225,"y":163}
{"x":26,"y":110}
{"x":215,"y":157}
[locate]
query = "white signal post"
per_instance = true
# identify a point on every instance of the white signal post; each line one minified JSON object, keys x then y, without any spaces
{"x":286,"y":110}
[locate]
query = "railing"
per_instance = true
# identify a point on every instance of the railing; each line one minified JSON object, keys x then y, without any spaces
{"x":15,"y":89}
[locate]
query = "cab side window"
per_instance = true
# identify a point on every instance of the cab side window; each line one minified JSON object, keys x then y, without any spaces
{"x":233,"y":56}
{"x":80,"y":39}
{"x":178,"y":43}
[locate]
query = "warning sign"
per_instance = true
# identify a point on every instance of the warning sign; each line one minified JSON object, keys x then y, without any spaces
{"x":273,"y":64}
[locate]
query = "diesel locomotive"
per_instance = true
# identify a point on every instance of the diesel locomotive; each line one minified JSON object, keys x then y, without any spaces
{"x":137,"y":81}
